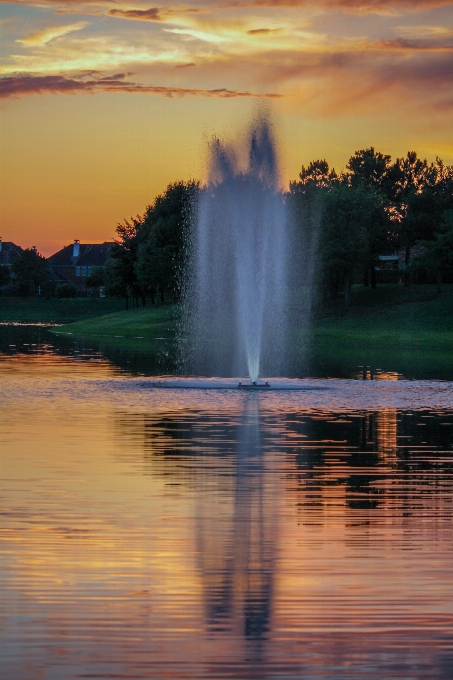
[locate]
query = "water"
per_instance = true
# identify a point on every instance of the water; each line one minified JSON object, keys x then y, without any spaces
{"x":152,"y":533}
{"x":238,"y":293}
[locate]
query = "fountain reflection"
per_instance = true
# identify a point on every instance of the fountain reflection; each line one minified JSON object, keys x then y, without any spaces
{"x":236,"y":552}
{"x":225,"y":464}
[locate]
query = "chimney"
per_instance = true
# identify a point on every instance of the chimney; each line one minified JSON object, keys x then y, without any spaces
{"x":76,"y":248}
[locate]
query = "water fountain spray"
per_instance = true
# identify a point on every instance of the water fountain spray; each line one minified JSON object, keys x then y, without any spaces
{"x":238,"y":290}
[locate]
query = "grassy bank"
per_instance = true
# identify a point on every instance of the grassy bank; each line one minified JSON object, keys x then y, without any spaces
{"x":55,"y":310}
{"x":145,"y":323}
{"x":389,"y":317}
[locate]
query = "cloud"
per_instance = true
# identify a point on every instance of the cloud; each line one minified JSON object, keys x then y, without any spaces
{"x":25,"y":84}
{"x":185,"y":65}
{"x":154,"y":13}
{"x":47,"y":34}
{"x":425,"y":31}
{"x":263,"y":31}
{"x":365,"y":82}
{"x":151,"y":14}
{"x":405,"y":44}
{"x":351,"y":6}
{"x":208,"y":6}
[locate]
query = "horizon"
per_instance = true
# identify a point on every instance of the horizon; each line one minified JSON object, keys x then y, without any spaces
{"x":338,"y":75}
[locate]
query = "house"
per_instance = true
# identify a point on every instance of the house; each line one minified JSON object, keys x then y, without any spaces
{"x":77,"y":261}
{"x":9,"y":252}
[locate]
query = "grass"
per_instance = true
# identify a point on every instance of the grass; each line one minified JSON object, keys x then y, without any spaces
{"x":390,"y":316}
{"x":55,"y":310}
{"x":144,"y":323}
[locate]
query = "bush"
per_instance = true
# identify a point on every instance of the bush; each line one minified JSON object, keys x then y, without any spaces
{"x":66,"y":290}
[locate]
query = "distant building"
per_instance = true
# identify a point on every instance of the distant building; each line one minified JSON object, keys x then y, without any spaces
{"x":77,"y":261}
{"x":9,"y":252}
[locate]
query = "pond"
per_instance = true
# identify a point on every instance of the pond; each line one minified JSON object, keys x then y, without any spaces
{"x":198,"y":533}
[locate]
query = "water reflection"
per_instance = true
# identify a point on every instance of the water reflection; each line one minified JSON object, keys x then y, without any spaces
{"x":280,"y":598}
{"x":236,"y":557}
{"x":148,"y":356}
{"x":227,"y":466}
{"x":210,"y":536}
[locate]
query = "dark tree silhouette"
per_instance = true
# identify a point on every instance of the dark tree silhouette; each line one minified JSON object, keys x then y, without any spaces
{"x":30,"y":271}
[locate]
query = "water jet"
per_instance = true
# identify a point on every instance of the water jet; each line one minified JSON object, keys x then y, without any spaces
{"x":237,"y":291}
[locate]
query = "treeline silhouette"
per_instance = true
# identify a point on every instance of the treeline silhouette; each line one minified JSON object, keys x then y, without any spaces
{"x":375,"y":207}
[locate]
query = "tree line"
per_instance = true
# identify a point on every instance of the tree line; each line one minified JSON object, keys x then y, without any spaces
{"x":374,"y":207}
{"x":377,"y":207}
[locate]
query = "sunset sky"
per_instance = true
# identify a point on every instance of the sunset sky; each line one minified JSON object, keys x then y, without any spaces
{"x":104,"y":102}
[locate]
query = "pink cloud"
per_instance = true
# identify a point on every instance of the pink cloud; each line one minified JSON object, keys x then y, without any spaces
{"x":25,"y":84}
{"x":353,"y":6}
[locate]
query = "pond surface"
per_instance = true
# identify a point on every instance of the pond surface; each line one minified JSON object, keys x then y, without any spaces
{"x":167,"y":533}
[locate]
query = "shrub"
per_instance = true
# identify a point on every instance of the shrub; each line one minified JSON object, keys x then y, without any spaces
{"x":66,"y":290}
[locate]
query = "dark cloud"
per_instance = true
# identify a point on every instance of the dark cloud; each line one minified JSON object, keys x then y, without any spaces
{"x":25,"y":84}
{"x":365,"y":80}
{"x":185,"y":65}
{"x":424,"y":45}
{"x":263,"y":31}
{"x":151,"y":14}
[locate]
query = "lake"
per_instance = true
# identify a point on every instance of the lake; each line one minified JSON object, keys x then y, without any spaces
{"x":164,"y":533}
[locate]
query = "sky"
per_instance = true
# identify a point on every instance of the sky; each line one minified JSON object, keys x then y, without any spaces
{"x":105,"y":102}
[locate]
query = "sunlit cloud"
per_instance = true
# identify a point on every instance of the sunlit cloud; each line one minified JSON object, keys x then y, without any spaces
{"x":47,"y":34}
{"x":205,"y":36}
{"x":421,"y":32}
{"x":25,"y":84}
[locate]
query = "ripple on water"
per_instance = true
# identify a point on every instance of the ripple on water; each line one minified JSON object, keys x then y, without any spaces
{"x":198,"y":533}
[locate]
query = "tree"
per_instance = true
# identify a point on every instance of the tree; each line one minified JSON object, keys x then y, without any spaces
{"x":96,"y":278}
{"x":5,"y":276}
{"x":120,"y":276}
{"x":31,"y":271}
{"x":370,"y":168}
{"x":318,"y":175}
{"x":162,"y":251}
{"x":66,"y":290}
{"x":423,"y":193}
{"x":437,"y":255}
{"x":346,"y":244}
{"x":305,"y":203}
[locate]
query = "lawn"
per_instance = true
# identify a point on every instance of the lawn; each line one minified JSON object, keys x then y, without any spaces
{"x":391,"y":316}
{"x":55,"y":310}
{"x":145,"y":323}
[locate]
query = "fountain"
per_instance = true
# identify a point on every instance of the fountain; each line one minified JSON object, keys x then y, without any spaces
{"x":237,"y":291}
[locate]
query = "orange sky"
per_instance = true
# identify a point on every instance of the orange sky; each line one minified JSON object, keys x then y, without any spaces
{"x":105,"y":102}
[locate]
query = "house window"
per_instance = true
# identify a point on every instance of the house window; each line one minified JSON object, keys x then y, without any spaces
{"x":90,"y":270}
{"x":84,"y":271}
{"x":77,"y":271}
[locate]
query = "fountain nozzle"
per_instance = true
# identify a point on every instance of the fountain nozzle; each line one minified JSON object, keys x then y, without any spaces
{"x":254,"y":386}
